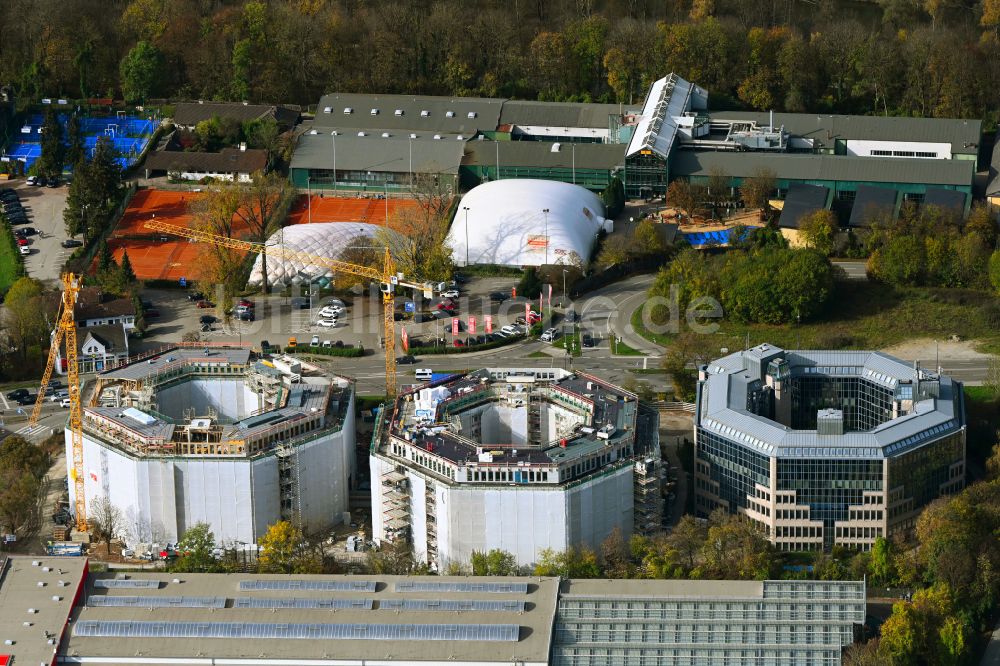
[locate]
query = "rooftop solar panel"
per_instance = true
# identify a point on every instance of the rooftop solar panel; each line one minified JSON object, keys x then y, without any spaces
{"x":257,"y":602}
{"x":451,"y":605}
{"x":299,"y":584}
{"x":126,"y":582}
{"x":243,"y":630}
{"x":156,"y":602}
{"x":500,"y":588}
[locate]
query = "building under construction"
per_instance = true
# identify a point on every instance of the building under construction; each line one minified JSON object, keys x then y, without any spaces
{"x":515,"y":459}
{"x":200,"y":434}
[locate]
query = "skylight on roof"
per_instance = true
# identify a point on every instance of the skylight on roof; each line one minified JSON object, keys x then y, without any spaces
{"x":348,"y":110}
{"x":385,"y":135}
{"x":424,"y":113}
{"x":361,"y":134}
{"x":327,"y":109}
{"x":399,"y":112}
{"x":449,"y":114}
{"x":472,"y":114}
{"x":374,"y":112}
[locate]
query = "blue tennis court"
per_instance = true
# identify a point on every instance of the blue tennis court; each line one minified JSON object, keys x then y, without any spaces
{"x":129,"y":134}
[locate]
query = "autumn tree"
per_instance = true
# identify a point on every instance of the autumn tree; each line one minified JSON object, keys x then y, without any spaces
{"x":394,"y":559}
{"x":496,"y":562}
{"x":574,"y":562}
{"x":416,"y":235}
{"x":819,"y":229}
{"x":684,"y":196}
{"x":735,"y":548}
{"x":261,"y":205}
{"x":22,"y":468}
{"x":283,"y":550}
{"x":757,"y":189}
{"x":28,"y":315}
{"x":105,"y":520}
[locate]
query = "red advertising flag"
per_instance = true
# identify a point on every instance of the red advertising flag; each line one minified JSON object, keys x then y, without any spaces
{"x":489,"y":323}
{"x":513,"y":292}
{"x":550,"y":295}
{"x":454,"y":325}
{"x":404,"y":338}
{"x":527,"y":312}
{"x":472,"y":325}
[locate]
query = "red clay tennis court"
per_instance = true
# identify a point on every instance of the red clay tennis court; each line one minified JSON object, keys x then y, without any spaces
{"x":152,"y":258}
{"x":347,"y":209}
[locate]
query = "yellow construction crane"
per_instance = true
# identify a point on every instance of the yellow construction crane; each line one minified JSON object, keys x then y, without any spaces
{"x":387,"y":278}
{"x":66,"y":332}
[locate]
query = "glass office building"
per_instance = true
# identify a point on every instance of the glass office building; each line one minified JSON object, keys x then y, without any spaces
{"x":825,"y":447}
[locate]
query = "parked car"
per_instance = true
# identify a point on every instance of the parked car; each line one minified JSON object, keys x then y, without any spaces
{"x":451,"y":293}
{"x":24,"y":250}
{"x":246,"y":315}
{"x":458,"y":342}
{"x":587,"y":340}
{"x":336,"y":302}
{"x":195,"y":296}
{"x":22,"y":241}
{"x":508,"y":331}
{"x":442,"y":314}
{"x":33,"y":181}
{"x":53,"y":182}
{"x":408,"y":359}
{"x":28,"y":399}
{"x":151,"y":313}
{"x":300,"y":303}
{"x":206,"y":328}
{"x":327,"y":323}
{"x":314,"y":342}
{"x":499,"y":296}
{"x":203,"y":304}
{"x":65,"y":402}
{"x":327,"y":344}
{"x":206,"y":319}
{"x":72,"y":242}
{"x":571,"y":316}
{"x":244,"y":303}
{"x":549,"y":334}
{"x":17,"y":393}
{"x":330,"y":311}
{"x":447,"y":306}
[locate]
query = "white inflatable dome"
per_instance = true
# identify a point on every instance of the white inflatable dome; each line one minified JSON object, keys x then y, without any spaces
{"x":323,"y":239}
{"x":507,"y":225}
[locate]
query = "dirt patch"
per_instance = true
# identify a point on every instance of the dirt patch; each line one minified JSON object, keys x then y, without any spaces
{"x":926,"y":349}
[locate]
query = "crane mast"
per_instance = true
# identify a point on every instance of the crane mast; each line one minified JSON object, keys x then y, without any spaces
{"x":387,"y":278}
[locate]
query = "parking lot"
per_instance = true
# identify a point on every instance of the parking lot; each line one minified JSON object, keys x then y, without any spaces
{"x":44,"y":207}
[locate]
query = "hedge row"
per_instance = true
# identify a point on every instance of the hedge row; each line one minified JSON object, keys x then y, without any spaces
{"x":445,"y":349}
{"x":349,"y":352}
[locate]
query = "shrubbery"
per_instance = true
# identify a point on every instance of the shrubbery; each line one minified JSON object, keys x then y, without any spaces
{"x":348,"y":352}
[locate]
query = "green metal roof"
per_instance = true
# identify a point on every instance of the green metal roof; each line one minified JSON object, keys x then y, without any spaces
{"x":374,"y":153}
{"x":560,"y":114}
{"x":600,"y":156}
{"x":791,"y":166}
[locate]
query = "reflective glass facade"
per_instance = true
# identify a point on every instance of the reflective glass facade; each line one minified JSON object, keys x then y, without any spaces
{"x":922,"y":473}
{"x":736,"y":468}
{"x":864,"y":403}
{"x":829,"y":487}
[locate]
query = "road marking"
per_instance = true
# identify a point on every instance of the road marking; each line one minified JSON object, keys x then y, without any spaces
{"x":6,"y":405}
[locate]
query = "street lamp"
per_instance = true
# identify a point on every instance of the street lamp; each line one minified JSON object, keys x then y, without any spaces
{"x":309,"y":197}
{"x":466,"y":209}
{"x":573,"y":146}
{"x":545,"y":211}
{"x":565,"y":270}
{"x":333,"y":137}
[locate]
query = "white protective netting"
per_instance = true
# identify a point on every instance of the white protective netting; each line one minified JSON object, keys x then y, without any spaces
{"x":321,"y":239}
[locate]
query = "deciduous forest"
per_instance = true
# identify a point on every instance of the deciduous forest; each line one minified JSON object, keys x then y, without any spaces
{"x":894,"y":57}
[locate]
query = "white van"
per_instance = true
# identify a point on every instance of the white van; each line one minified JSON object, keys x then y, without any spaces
{"x":423,"y":374}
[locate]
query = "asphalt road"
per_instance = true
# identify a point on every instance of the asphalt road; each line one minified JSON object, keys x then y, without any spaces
{"x":856,"y":270}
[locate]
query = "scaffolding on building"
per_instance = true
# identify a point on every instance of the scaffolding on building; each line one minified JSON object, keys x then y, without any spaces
{"x":396,"y":505}
{"x":430,"y":499}
{"x":647,"y":497}
{"x":288,"y":483}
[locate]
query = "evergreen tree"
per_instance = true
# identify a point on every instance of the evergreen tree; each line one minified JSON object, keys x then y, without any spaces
{"x":126,"y":267}
{"x":104,"y":258}
{"x":105,"y":174}
{"x":74,"y":137}
{"x":50,"y":164}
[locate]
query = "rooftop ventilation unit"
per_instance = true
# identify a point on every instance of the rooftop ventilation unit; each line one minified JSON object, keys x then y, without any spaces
{"x":327,"y":109}
{"x":472,"y":114}
{"x":374,"y":112}
{"x":398,"y":112}
{"x":555,"y":147}
{"x":437,"y":136}
{"x":460,"y":137}
{"x":385,"y":135}
{"x":348,"y":110}
{"x":413,"y":136}
{"x":424,"y":113}
{"x":362,"y":134}
{"x":449,"y":114}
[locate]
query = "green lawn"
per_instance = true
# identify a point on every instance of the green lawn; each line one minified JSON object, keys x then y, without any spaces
{"x":10,"y":260}
{"x":571,"y":342}
{"x":539,"y":354}
{"x":869,"y":315}
{"x":622,"y":349}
